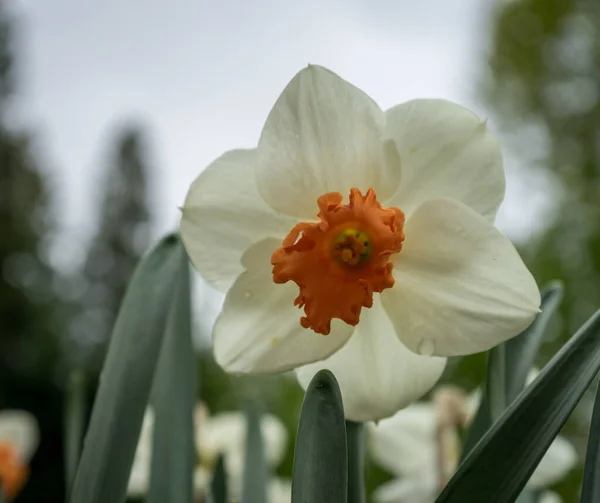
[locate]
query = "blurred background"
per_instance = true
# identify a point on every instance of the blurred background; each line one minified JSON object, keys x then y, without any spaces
{"x":109,"y":110}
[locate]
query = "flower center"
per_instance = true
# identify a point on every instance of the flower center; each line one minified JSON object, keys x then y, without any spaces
{"x":13,"y":472}
{"x":340,"y":261}
{"x":352,"y":247}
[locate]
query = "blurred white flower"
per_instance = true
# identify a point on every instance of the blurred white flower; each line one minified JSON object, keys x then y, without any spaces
{"x":19,"y":439}
{"x":269,"y":227}
{"x":279,"y":491}
{"x":410,"y":444}
{"x":219,"y":434}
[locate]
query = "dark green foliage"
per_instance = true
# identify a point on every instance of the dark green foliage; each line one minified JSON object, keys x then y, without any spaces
{"x":30,"y":318}
{"x":355,"y":435}
{"x":500,"y":465}
{"x":590,"y":493}
{"x":218,"y":484}
{"x":508,"y":367}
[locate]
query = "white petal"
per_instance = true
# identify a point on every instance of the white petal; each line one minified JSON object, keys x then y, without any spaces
{"x":20,"y":429}
{"x":559,"y":459}
{"x":417,"y":489}
{"x":279,"y":491}
{"x":446,"y":151}
{"x":201,"y":481}
{"x":139,"y":476}
{"x":405,"y":444}
{"x":259,"y":329}
{"x":226,"y":433}
{"x":323,"y":135}
{"x":377,"y":375}
{"x":550,"y":497}
{"x":461,"y":286}
{"x":224,"y":214}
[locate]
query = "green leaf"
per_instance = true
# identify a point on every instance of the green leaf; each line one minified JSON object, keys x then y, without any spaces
{"x":356,"y":457}
{"x":74,"y":423}
{"x":173,"y":397}
{"x":256,"y":471}
{"x":508,"y":367}
{"x":320,"y":461}
{"x":521,"y":351}
{"x":495,"y":384}
{"x":501,"y":463}
{"x":126,"y":378}
{"x":590,"y":492}
{"x":218,"y":484}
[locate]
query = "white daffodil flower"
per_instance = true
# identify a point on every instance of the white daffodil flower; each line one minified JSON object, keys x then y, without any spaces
{"x":19,"y":439}
{"x":408,"y":271}
{"x":421,"y":446}
{"x":214,"y":435}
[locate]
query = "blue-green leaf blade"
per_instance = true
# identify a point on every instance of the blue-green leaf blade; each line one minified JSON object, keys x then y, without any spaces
{"x":521,"y":351}
{"x":500,"y":465}
{"x":508,"y":367}
{"x":173,"y":399}
{"x":126,"y":378}
{"x":320,"y":458}
{"x":590,"y":492}
{"x":256,"y":471}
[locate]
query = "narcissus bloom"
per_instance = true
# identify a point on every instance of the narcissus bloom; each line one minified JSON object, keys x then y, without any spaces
{"x":19,"y":438}
{"x":359,"y":237}
{"x":421,"y":446}
{"x":214,"y":435}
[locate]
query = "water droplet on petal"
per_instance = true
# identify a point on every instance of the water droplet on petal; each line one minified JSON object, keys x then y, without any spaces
{"x":426,"y":347}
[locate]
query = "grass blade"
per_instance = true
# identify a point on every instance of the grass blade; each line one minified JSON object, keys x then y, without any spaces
{"x":173,"y":399}
{"x":501,"y":463}
{"x":126,"y":378}
{"x":320,"y":460}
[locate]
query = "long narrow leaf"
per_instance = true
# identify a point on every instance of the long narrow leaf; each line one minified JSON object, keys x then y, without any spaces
{"x":356,"y":466}
{"x":173,"y":398}
{"x":74,"y":423}
{"x":517,"y":357}
{"x":590,"y":492}
{"x":521,"y":351}
{"x":496,"y":382}
{"x":500,"y":465}
{"x":320,"y":460}
{"x":256,"y":471}
{"x":126,"y":379}
{"x":218,"y":484}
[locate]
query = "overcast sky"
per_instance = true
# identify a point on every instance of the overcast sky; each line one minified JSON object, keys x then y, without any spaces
{"x":202,"y":76}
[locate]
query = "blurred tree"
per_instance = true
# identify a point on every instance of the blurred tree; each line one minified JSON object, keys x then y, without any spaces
{"x":122,"y":235}
{"x":543,"y":83}
{"x":30,"y":319}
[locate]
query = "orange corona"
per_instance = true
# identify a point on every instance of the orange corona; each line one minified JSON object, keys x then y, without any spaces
{"x":340,"y":261}
{"x":13,"y":472}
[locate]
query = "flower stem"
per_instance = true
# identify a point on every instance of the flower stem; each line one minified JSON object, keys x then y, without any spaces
{"x":356,"y":455}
